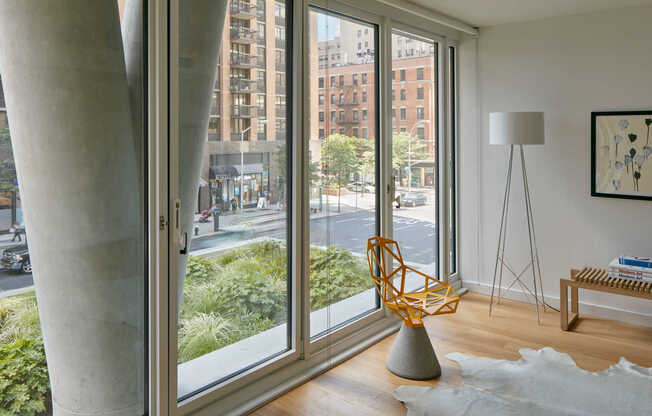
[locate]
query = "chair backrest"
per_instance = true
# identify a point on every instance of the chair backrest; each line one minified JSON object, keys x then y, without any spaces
{"x":386,"y":264}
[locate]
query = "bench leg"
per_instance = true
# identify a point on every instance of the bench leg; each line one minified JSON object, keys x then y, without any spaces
{"x":575,"y":311}
{"x":563,"y":304}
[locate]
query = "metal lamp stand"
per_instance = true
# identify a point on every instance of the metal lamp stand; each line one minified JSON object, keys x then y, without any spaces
{"x":502,"y":239}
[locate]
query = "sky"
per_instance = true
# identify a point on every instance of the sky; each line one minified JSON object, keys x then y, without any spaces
{"x":328,"y":27}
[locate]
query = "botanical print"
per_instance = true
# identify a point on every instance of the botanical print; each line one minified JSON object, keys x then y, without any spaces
{"x":623,"y":155}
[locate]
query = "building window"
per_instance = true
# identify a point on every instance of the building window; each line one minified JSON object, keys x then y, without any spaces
{"x":403,"y":129}
{"x":355,"y":115}
{"x":420,"y":113}
{"x":420,"y":93}
{"x":419,"y":74}
{"x":333,"y":116}
{"x":341,"y":78}
{"x":355,"y":79}
{"x":321,"y":116}
{"x":332,"y":98}
{"x":321,"y":133}
{"x":421,"y":133}
{"x":355,"y":132}
{"x":364,"y":96}
{"x":341,"y":116}
{"x":359,"y":45}
{"x":332,"y":131}
{"x":402,"y":74}
{"x":355,"y":98}
{"x":342,"y":131}
{"x":403,"y":114}
{"x":341,"y":98}
{"x":393,"y":95}
{"x":333,"y":80}
{"x":364,"y":79}
{"x":393,"y":114}
{"x":364,"y":114}
{"x":393,"y":75}
{"x":403,"y":95}
{"x":364,"y":133}
{"x":321,"y":82}
{"x":321,"y":99}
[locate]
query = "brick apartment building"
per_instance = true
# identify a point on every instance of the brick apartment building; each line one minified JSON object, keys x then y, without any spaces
{"x":346,"y":105}
{"x":249,"y":109}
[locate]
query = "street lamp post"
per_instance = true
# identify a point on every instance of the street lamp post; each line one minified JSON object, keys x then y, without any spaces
{"x":417,"y":124}
{"x":242,"y":135}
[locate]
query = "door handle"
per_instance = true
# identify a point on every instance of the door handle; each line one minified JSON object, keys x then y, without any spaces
{"x":184,"y":244}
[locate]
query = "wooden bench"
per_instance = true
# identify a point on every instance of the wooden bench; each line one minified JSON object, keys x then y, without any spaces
{"x":598,"y":280}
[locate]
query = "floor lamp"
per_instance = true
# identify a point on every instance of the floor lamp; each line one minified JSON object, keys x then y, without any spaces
{"x":517,"y":129}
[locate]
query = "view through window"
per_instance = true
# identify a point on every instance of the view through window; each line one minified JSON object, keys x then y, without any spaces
{"x":415,"y":144}
{"x":234,"y":310}
{"x":343,"y":168}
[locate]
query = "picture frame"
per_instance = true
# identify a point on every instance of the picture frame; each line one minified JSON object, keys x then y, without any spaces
{"x":621,"y":154}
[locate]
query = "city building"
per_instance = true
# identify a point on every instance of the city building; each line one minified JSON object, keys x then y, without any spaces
{"x":248,"y":119}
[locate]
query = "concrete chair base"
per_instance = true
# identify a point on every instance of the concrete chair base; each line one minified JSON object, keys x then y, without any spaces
{"x":412,"y":355}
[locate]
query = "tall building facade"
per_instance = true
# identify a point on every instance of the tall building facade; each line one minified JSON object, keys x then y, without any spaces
{"x":248,"y":120}
{"x":346,"y":85}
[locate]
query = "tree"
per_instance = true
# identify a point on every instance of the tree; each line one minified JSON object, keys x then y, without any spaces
{"x":340,"y":159}
{"x":8,"y":180}
{"x":403,"y":145}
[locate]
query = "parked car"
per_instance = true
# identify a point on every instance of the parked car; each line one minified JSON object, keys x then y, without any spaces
{"x":16,"y":258}
{"x":360,"y":187}
{"x":413,"y":199}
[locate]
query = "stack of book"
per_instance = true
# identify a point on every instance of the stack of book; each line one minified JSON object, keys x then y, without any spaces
{"x":630,"y":267}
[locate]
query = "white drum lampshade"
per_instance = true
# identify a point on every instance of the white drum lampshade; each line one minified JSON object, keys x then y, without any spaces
{"x":516,"y":128}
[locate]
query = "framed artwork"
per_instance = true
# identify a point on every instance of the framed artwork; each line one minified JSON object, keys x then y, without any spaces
{"x":621,"y":154}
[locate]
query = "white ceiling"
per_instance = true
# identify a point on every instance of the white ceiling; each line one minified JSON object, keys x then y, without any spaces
{"x":494,"y":12}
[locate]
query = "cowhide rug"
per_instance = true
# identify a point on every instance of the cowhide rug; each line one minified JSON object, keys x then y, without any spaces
{"x":543,"y":382}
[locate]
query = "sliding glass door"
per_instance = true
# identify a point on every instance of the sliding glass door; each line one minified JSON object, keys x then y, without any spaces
{"x":343,"y":167}
{"x":415,"y":147}
{"x":234,"y":160}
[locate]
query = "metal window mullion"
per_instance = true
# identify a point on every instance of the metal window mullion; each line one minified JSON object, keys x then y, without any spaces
{"x":157,"y":79}
{"x":443,"y":134}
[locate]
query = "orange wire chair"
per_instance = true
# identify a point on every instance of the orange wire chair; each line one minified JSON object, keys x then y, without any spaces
{"x":436,"y":297}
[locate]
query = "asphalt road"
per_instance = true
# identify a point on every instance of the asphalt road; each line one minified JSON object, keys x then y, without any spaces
{"x":350,"y":231}
{"x":10,"y":280}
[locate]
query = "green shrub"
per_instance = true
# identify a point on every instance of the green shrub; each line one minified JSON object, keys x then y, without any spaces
{"x":243,"y":292}
{"x":200,"y":269}
{"x":335,"y":274}
{"x":205,"y":333}
{"x":24,"y":383}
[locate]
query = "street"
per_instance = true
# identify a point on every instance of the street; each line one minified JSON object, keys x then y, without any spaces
{"x":349,"y":229}
{"x":10,"y":279}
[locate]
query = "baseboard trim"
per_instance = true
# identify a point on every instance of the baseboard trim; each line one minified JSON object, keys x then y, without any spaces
{"x":601,"y":311}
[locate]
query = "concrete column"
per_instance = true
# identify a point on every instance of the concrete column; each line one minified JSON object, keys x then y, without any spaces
{"x":201,"y":25}
{"x":63,"y":70}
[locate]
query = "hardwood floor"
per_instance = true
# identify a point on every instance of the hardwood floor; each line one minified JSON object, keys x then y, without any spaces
{"x":362,"y":386}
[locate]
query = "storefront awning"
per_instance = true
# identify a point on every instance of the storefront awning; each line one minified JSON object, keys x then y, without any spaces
{"x":233,"y":171}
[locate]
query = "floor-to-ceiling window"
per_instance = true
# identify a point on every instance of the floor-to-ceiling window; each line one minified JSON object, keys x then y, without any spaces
{"x":343,"y":167}
{"x":235,"y":192}
{"x":415,"y":146}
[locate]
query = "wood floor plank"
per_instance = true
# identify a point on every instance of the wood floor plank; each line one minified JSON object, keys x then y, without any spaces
{"x":363,"y":386}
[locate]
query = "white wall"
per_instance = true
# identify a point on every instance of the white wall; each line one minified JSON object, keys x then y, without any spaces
{"x":567,"y":67}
